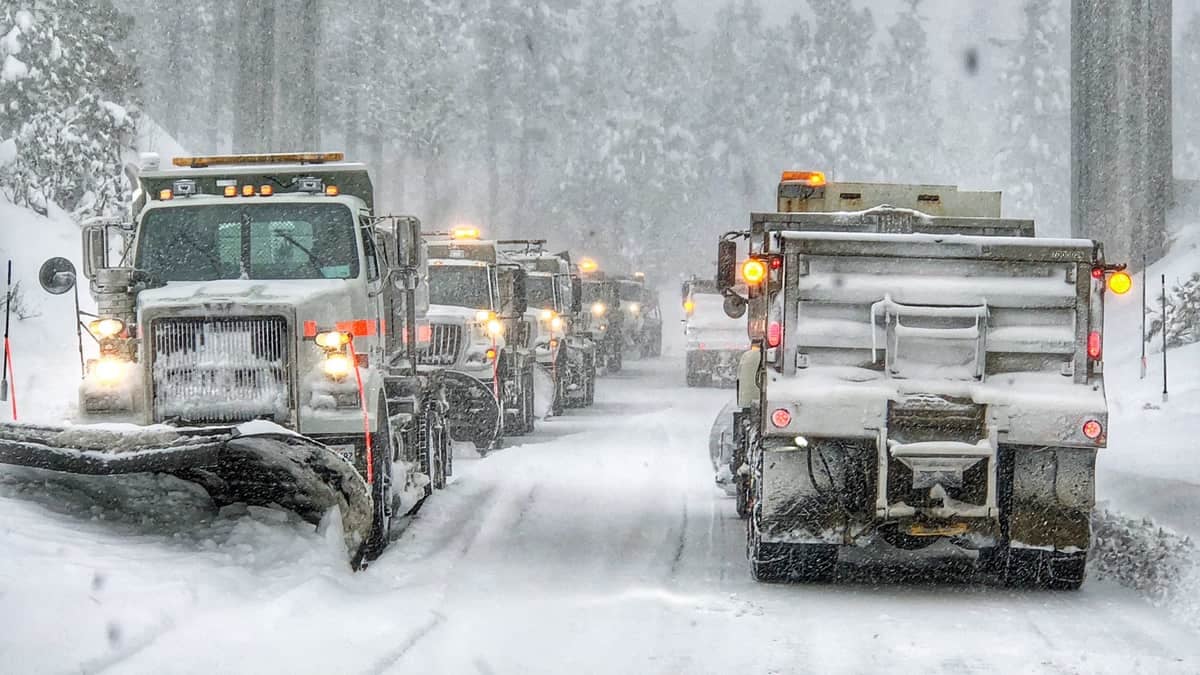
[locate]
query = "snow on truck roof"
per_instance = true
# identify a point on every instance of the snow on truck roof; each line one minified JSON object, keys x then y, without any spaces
{"x":919,"y":245}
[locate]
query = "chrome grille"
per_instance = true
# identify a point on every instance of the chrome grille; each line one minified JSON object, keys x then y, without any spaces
{"x":444,"y":345}
{"x":220,"y":369}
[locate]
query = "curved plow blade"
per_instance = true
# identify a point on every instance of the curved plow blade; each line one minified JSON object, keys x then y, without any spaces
{"x":474,"y":414}
{"x":257,"y":465}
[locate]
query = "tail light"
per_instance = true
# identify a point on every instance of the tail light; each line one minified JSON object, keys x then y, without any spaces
{"x":1092,"y":429}
{"x":1093,"y":345}
{"x":781,"y":417}
{"x":774,"y":334}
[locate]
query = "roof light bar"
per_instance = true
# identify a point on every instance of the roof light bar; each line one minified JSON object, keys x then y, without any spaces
{"x":809,"y":178}
{"x":202,"y":161}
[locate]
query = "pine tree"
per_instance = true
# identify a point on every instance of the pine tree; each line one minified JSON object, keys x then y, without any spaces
{"x":846,"y":137}
{"x":911,"y":130}
{"x":1032,"y":166}
{"x":1187,"y":101}
{"x":69,"y":104}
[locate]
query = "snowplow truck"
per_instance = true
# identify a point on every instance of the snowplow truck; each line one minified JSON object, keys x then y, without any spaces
{"x":922,"y":371}
{"x":478,"y":334}
{"x":256,"y":324}
{"x":714,"y":342}
{"x":602,"y":317}
{"x":554,"y":296}
{"x":640,"y":316}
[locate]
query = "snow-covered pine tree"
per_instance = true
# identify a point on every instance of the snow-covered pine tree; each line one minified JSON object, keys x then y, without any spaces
{"x":845,"y":138}
{"x":910,"y":128}
{"x":69,"y":95}
{"x":1187,"y":101}
{"x":1032,"y":167}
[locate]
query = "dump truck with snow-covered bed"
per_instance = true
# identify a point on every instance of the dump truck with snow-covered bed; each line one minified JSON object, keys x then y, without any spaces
{"x":256,"y":327}
{"x":918,"y":378}
{"x":713,"y":342}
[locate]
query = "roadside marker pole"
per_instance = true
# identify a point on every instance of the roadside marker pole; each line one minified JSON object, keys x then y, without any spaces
{"x":7,"y":386}
{"x":1144,"y":317}
{"x":1164,"y":335}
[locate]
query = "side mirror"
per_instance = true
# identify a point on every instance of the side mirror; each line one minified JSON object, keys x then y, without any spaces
{"x":95,"y":250}
{"x":57,"y":276}
{"x":409,"y":241}
{"x":576,"y":295}
{"x":734,"y":306}
{"x":726,"y":264}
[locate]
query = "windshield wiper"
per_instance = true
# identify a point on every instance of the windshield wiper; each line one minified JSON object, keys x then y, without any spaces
{"x":312,"y":258}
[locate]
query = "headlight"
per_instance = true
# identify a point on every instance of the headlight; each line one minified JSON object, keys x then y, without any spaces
{"x":106,"y":327}
{"x":556,"y":323}
{"x":484,"y":315}
{"x":110,"y":371}
{"x":495,"y":328}
{"x":598,"y":309}
{"x":332,"y":340}
{"x":547,"y":314}
{"x":634,"y":307}
{"x":337,"y":366}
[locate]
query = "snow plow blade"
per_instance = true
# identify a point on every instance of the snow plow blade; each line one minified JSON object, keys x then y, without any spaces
{"x":255,"y":465}
{"x":474,"y":415}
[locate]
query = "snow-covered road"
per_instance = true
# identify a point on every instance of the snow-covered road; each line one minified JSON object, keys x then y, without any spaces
{"x":597,"y":546}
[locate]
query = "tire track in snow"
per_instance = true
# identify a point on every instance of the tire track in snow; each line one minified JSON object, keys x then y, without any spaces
{"x":119,"y":656}
{"x":393,"y":658}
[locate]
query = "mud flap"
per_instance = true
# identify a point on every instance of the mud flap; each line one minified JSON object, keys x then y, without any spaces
{"x":474,"y":414}
{"x":274,"y":467}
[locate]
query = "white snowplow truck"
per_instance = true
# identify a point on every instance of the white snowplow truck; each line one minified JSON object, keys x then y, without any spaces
{"x":256,"y":323}
{"x":714,"y":342}
{"x":478,"y":334}
{"x":554,"y":298}
{"x":922,"y":372}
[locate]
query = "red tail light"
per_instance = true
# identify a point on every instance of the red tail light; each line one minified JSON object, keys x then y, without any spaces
{"x":774,"y":334}
{"x":781,"y":417}
{"x":1093,"y":345}
{"x":1092,"y":429}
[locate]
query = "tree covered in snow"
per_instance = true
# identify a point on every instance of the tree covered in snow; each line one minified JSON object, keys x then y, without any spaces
{"x":1183,"y":314}
{"x":1034,"y":109}
{"x":911,"y":144}
{"x":67,"y":91}
{"x":1187,"y":101}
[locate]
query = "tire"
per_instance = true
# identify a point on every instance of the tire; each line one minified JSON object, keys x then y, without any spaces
{"x":693,"y":378}
{"x":742,"y":497}
{"x":1035,"y":569}
{"x":589,"y":387}
{"x":803,"y":563}
{"x":436,"y":448}
{"x":529,"y":404}
{"x":381,"y":489}
{"x":560,"y":392}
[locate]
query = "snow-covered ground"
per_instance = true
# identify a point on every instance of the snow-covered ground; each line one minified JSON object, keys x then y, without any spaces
{"x":599,"y":545}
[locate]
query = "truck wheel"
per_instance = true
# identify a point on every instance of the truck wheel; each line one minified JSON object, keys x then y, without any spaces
{"x":436,"y":448}
{"x":560,"y":391}
{"x":742,"y":497}
{"x":589,"y":396}
{"x":384,"y":453}
{"x":529,"y":406}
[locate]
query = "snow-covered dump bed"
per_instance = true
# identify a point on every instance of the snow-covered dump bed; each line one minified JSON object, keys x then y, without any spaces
{"x":709,"y":328}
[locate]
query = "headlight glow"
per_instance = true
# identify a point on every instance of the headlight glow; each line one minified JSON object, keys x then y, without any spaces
{"x":598,"y":309}
{"x":483,"y":315}
{"x":337,"y":366}
{"x":106,"y":327}
{"x":495,"y":328}
{"x":547,"y":314}
{"x":556,"y":323}
{"x":635,"y":307}
{"x":110,"y":371}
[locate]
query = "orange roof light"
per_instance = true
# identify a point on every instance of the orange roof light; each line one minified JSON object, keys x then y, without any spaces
{"x":265,"y":191}
{"x":269,"y":158}
{"x":247,"y":190}
{"x":588,"y":265}
{"x":464,"y":232}
{"x":332,"y":191}
{"x":165,"y":194}
{"x":809,"y":178}
{"x":230,"y":190}
{"x":754,"y":271}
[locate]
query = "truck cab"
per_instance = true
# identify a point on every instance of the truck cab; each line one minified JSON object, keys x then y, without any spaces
{"x":555,"y":299}
{"x":917,"y":378}
{"x":602,"y":317}
{"x":476,"y":316}
{"x":641,"y":315}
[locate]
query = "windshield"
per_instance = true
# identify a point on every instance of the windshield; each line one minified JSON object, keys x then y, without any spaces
{"x":631,"y":290}
{"x":539,"y":291}
{"x":460,"y":286}
{"x":249,"y":241}
{"x":593,"y":291}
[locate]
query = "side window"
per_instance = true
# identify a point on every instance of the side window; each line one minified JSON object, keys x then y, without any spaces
{"x":372,"y":259}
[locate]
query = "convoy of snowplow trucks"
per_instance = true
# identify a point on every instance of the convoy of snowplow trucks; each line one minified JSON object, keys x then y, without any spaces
{"x":263,"y":331}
